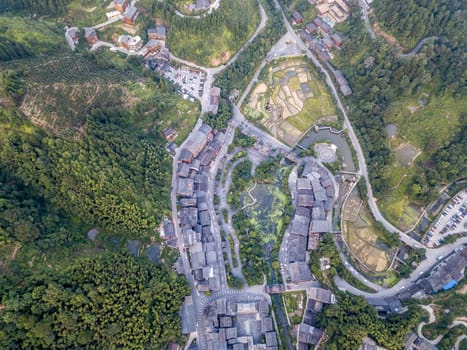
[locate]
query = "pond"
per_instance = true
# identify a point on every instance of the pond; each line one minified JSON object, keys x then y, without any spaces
{"x":337,"y":139}
{"x":269,"y":210}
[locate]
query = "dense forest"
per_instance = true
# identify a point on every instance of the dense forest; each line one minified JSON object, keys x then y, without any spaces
{"x":58,"y":289}
{"x":20,"y":38}
{"x":380,"y":78}
{"x":106,"y":302}
{"x":37,"y":7}
{"x":412,"y":20}
{"x":352,"y":319}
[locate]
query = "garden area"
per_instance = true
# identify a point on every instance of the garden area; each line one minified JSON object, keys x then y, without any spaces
{"x":363,"y":236}
{"x":295,"y":303}
{"x":262,"y":206}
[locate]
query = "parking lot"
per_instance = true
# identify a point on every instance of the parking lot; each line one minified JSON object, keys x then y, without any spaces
{"x":453,"y":220}
{"x":190,"y":81}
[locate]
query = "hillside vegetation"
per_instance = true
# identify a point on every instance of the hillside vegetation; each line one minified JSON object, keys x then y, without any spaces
{"x":210,"y":40}
{"x":20,"y":38}
{"x":423,"y":95}
{"x":106,"y":302}
{"x":81,"y":148}
{"x":412,"y":20}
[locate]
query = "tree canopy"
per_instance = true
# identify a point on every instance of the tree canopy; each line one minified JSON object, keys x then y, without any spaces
{"x":106,"y":302}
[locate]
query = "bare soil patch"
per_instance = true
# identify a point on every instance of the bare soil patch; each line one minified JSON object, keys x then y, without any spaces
{"x":406,"y":154}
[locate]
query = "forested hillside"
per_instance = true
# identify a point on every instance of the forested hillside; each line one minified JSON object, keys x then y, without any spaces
{"x":81,"y":148}
{"x":387,"y":85}
{"x":106,"y":302}
{"x":210,"y":40}
{"x":412,"y":20}
{"x":35,"y":7}
{"x":20,"y":38}
{"x":352,"y":319}
{"x":240,"y":72}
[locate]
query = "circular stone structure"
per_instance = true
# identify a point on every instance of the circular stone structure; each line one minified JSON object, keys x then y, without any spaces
{"x":325,"y":152}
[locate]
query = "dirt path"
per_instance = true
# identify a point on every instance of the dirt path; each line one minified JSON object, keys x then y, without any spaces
{"x":253,"y":199}
{"x":390,"y":39}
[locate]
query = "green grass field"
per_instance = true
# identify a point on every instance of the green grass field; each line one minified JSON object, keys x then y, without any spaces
{"x":313,"y":109}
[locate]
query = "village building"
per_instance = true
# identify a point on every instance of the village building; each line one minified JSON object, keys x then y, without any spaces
{"x":313,"y":240}
{"x":297,"y":17}
{"x":131,"y":43}
{"x":413,"y":342}
{"x":323,"y":27}
{"x":447,"y":274}
{"x":130,"y":14}
{"x":214,"y":99}
{"x":200,"y":5}
{"x":324,"y":296}
{"x":169,"y":134}
{"x":299,"y":272}
{"x":307,"y":334}
{"x":334,"y":11}
{"x":185,"y":187}
{"x":73,"y":34}
{"x":157,"y":33}
{"x":90,"y":35}
{"x":343,"y":84}
{"x":337,"y":39}
{"x":121,"y":5}
{"x":112,"y":15}
{"x":311,"y":28}
{"x":153,"y":47}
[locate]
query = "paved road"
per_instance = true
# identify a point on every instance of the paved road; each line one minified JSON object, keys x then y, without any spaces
{"x":417,"y":47}
{"x":368,"y":27}
{"x":430,"y":321}
{"x":432,"y":256}
{"x":110,"y":21}
{"x":355,"y":142}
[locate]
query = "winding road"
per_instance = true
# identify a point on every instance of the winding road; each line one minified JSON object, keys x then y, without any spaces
{"x":418,"y":47}
{"x":238,"y":120}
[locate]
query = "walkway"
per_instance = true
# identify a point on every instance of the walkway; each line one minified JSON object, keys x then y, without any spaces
{"x":430,"y":321}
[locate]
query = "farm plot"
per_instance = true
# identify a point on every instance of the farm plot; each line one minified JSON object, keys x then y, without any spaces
{"x":289,"y":100}
{"x":361,"y":236}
